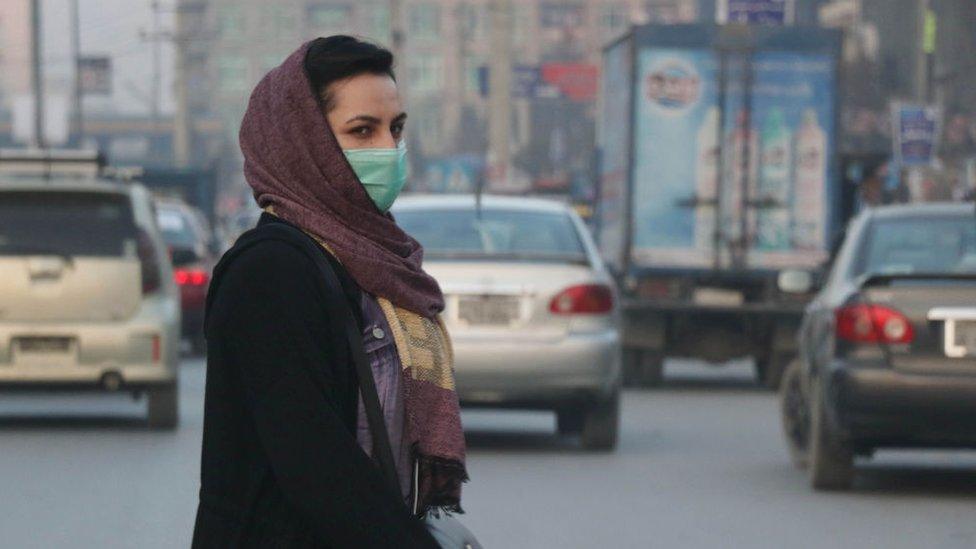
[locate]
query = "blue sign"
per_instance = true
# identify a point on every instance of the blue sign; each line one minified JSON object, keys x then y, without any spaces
{"x":916,"y":133}
{"x":758,"y":12}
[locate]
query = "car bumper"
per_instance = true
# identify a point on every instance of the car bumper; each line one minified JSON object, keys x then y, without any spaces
{"x":99,"y":355}
{"x":904,"y":409}
{"x":500,"y":372}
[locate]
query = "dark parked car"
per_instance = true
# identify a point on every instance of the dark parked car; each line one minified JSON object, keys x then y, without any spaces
{"x":888,"y":347}
{"x":191,"y":247}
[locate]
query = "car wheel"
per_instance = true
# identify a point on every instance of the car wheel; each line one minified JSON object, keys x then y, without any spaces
{"x":831,"y":459}
{"x":794,"y":408}
{"x":569,"y":422}
{"x":164,"y":407}
{"x":601,"y":424}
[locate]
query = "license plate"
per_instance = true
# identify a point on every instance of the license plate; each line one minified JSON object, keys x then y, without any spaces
{"x":964,"y":338}
{"x":488,"y":310}
{"x":44,"y":344}
{"x":717,"y":297}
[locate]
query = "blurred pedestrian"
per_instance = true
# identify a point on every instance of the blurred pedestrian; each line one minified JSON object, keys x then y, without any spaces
{"x":286,"y":445}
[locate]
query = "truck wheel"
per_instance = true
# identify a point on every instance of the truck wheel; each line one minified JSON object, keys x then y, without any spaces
{"x":831,"y":459}
{"x":601,"y":424}
{"x":651,"y":369}
{"x":569,"y":422}
{"x":164,"y":407}
{"x":794,"y":409}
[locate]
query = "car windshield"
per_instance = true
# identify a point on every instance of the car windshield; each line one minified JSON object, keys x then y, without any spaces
{"x":494,"y":234}
{"x":176,"y":228}
{"x":66,"y":224}
{"x":929,"y":245}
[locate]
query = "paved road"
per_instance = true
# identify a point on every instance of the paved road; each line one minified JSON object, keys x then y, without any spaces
{"x":701,"y":464}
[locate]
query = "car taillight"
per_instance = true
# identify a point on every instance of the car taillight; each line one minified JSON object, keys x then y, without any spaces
{"x":151,"y":281}
{"x":583,"y":299}
{"x":873,"y":324}
{"x":191,"y":277}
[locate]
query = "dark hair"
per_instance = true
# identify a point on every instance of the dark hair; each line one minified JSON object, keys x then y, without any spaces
{"x":339,"y":57}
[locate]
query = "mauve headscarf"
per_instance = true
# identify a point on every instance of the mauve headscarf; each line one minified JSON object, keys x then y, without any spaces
{"x":294,"y":163}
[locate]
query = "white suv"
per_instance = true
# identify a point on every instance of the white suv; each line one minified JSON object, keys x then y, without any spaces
{"x":88,"y":299}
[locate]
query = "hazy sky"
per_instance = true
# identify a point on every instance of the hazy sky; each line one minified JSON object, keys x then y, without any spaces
{"x":110,"y":27}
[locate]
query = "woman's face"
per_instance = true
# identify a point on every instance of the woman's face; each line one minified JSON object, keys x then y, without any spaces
{"x":366,"y":112}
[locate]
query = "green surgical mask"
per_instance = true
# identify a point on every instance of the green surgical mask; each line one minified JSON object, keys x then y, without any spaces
{"x":383,"y":172}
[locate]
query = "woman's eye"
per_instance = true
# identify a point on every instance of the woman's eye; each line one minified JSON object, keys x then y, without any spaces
{"x":363,"y":131}
{"x":397,"y":130}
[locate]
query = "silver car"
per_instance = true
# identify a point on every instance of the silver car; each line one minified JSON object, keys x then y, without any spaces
{"x":530,"y":307}
{"x":88,"y":299}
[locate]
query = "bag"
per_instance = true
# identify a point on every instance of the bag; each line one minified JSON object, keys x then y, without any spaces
{"x":448,"y":531}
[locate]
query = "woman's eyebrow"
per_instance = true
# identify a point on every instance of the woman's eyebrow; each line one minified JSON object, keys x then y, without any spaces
{"x":364,"y":118}
{"x":400,"y":118}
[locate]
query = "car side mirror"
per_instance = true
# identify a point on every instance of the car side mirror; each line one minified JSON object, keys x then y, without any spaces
{"x":794,"y":281}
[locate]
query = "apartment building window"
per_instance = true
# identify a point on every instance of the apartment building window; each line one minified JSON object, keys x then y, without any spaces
{"x":521,"y":23}
{"x":230,"y":21}
{"x":425,"y":21}
{"x":378,"y":22}
{"x":561,"y":15}
{"x":473,"y":69}
{"x":232,"y":74}
{"x":475,"y":20}
{"x":279,"y":20}
{"x":615,"y":17}
{"x":426,"y":72}
{"x":328,"y":19}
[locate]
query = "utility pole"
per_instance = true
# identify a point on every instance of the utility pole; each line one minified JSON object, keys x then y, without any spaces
{"x":500,"y":95}
{"x":78,"y":125}
{"x":156,"y":64}
{"x":921,"y":84}
{"x":396,"y":28}
{"x":181,"y":120}
{"x":37,"y":77}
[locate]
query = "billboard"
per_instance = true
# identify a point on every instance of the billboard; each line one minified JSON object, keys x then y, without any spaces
{"x":760,"y":182}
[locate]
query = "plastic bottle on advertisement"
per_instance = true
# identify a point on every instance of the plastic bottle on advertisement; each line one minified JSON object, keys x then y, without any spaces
{"x":706,"y":185}
{"x":773,"y":225}
{"x":809,"y":198}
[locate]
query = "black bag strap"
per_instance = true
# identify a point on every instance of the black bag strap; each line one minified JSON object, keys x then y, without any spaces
{"x":339,"y":309}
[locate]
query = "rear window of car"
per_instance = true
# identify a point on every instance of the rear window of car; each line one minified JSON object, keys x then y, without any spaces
{"x":494,"y":234}
{"x":923,"y":244}
{"x":66,"y":223}
{"x":176,"y":228}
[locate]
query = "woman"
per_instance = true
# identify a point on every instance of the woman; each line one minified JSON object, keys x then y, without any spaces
{"x":286,"y":445}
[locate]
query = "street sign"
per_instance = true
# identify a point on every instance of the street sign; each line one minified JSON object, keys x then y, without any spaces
{"x":95,"y":75}
{"x":755,"y":12}
{"x":573,"y":81}
{"x":915,"y":133}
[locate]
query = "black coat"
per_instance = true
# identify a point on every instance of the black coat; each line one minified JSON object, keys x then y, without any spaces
{"x":281,"y":466}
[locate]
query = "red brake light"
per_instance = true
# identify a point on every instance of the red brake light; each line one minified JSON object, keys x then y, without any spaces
{"x":147,"y":261}
{"x":873,"y":324}
{"x":583,"y":299}
{"x":191,"y":277}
